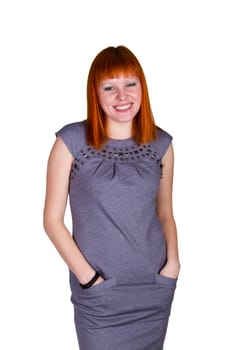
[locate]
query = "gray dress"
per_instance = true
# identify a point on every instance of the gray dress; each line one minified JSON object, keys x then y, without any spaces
{"x":112,"y":196}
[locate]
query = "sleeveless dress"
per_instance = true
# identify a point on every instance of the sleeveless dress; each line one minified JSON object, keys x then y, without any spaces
{"x":112,"y":196}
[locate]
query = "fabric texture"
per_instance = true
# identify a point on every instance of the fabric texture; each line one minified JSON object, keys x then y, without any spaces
{"x":112,"y":197}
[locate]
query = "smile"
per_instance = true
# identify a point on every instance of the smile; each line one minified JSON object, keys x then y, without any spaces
{"x":123,"y":108}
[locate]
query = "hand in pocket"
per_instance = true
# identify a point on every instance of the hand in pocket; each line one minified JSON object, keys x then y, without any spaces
{"x":99,"y":280}
{"x":170,"y":269}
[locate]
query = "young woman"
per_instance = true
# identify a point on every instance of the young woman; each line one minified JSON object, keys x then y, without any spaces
{"x":117,"y":168}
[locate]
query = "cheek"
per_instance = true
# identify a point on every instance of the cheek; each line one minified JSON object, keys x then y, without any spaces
{"x":102,"y":100}
{"x":139,"y":97}
{"x":138,"y":94}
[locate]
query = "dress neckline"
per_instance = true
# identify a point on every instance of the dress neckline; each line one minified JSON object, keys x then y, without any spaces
{"x":120,"y":142}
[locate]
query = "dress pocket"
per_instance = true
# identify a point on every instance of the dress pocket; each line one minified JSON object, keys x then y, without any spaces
{"x":166,"y":281}
{"x":164,"y":292}
{"x":100,"y":288}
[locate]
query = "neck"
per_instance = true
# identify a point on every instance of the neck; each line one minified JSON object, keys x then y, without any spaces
{"x":119,"y":130}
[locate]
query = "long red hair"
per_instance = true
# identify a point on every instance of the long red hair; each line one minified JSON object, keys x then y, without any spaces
{"x":109,"y":63}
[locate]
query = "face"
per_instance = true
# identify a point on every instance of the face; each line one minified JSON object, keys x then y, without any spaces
{"x":120,"y":98}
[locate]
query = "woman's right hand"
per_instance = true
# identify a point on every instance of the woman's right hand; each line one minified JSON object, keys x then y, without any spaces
{"x":99,"y":280}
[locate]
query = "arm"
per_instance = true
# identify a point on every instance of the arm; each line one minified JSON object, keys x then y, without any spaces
{"x":165,"y":214}
{"x":58,"y":172}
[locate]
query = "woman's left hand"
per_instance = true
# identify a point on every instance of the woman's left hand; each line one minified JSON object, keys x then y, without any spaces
{"x":171,"y":269}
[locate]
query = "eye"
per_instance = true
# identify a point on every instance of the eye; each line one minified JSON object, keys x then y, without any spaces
{"x":108,"y":88}
{"x":131,"y":84}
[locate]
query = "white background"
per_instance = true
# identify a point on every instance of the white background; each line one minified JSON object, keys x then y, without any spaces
{"x":185,"y":48}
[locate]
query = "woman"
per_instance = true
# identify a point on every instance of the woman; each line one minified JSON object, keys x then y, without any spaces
{"x":117,"y":168}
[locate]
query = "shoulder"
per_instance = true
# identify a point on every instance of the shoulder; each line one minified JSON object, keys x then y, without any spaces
{"x":162,"y":142}
{"x":72,"y":129}
{"x":73,"y":135}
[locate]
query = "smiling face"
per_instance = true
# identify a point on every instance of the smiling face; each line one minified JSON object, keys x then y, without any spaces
{"x":120,"y":98}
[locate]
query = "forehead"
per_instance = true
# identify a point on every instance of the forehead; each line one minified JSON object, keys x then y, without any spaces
{"x":115,"y":73}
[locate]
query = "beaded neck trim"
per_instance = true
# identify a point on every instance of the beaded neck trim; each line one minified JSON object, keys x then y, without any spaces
{"x":125,"y":154}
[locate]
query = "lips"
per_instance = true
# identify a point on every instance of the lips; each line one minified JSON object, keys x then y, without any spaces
{"x":123,"y":107}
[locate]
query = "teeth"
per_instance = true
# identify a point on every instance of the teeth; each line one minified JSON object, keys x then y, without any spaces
{"x":122,"y":108}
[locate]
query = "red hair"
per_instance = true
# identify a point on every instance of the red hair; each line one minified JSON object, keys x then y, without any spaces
{"x":109,"y":63}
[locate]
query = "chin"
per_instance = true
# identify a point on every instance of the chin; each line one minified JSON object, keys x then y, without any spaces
{"x":125,"y":118}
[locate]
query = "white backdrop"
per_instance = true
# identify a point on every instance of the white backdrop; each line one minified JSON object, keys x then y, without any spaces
{"x":185,"y":48}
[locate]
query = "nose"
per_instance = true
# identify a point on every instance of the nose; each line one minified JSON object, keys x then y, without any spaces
{"x":121,"y":94}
